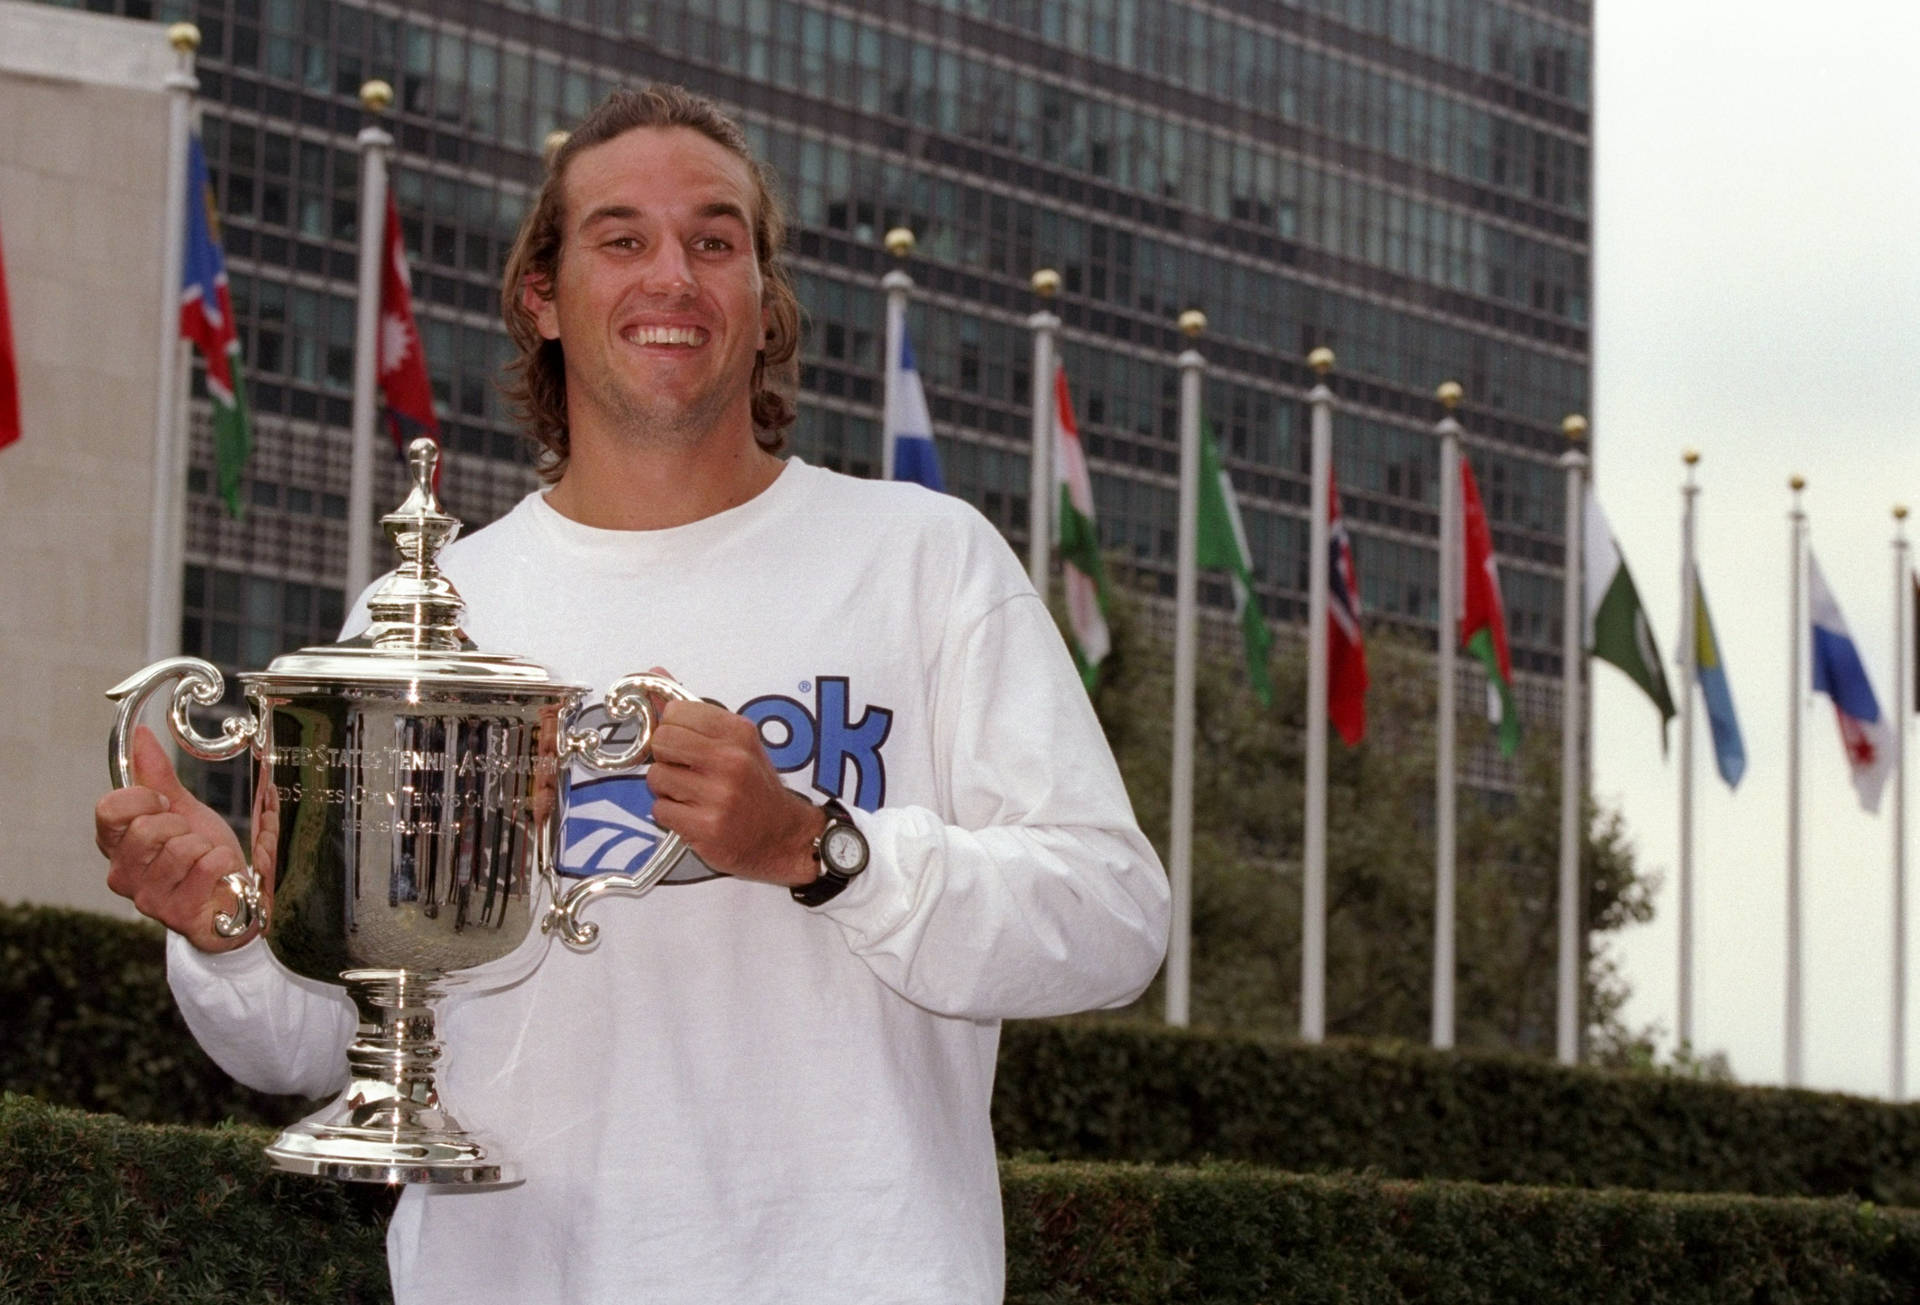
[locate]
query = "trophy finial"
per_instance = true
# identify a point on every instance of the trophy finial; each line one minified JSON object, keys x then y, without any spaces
{"x":417,"y":607}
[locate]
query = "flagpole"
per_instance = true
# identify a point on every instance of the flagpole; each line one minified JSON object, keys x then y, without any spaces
{"x":1313,"y":881}
{"x":1185,"y":594}
{"x":1689,"y":671}
{"x":374,"y":142}
{"x":1796,"y":676}
{"x":1902,"y":655}
{"x":167,"y":528}
{"x":1451,"y":577}
{"x":1573,"y":625}
{"x":898,"y":286}
{"x":1044,"y":324}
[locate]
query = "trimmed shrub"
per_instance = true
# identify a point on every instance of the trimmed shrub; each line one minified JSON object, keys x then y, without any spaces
{"x":86,"y":1020}
{"x":96,"y":1209}
{"x":1098,"y":1090}
{"x":93,"y":1208}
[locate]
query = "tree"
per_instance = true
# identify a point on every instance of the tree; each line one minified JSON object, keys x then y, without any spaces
{"x":1248,"y":829}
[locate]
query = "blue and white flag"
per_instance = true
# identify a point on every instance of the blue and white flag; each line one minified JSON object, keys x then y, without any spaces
{"x":909,"y":426}
{"x":1838,"y":673}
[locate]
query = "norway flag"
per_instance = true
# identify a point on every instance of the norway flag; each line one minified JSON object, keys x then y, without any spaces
{"x":1838,"y":673}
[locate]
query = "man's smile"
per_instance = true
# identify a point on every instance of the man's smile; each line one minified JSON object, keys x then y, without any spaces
{"x":683,"y":336}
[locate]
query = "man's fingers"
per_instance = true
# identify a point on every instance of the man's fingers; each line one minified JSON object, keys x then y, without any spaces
{"x":152,"y":769}
{"x":117,"y":811}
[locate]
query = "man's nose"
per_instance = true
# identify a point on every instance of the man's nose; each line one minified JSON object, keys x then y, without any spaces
{"x":669,"y":272}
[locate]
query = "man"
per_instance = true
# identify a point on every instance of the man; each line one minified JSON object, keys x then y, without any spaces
{"x":770,"y":1080}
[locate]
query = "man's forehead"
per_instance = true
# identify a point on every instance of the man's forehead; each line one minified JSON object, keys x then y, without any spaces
{"x":628,"y":174}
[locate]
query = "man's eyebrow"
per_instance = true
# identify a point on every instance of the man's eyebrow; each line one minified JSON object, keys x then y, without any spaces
{"x":719,"y":208}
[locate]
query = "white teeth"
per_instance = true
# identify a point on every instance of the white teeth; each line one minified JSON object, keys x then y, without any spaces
{"x":682,"y":335}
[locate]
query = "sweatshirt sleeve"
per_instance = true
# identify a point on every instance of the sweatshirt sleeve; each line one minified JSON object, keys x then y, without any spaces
{"x":1034,"y":893}
{"x":270,"y":1029}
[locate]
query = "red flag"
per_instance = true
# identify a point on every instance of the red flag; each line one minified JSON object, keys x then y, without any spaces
{"x":1346,"y":651}
{"x":1483,"y":620}
{"x":403,"y":364}
{"x":9,"y":374}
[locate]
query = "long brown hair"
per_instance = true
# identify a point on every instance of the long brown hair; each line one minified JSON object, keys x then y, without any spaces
{"x":536,"y":380}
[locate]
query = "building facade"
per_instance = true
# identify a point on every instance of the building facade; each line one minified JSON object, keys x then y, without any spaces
{"x":1405,"y":181}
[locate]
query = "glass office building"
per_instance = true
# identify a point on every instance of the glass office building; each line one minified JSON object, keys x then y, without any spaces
{"x":1406,"y":181}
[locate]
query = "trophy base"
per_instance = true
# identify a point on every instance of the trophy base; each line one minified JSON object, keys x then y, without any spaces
{"x":389,"y":1125}
{"x":366,"y":1155}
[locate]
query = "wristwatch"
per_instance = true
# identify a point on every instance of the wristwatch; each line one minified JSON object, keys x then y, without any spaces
{"x":841,"y":851}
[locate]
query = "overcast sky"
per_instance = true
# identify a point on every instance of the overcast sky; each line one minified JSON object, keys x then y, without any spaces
{"x":1757,"y":258}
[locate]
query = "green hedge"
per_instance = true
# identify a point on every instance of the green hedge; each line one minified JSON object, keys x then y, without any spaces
{"x":86,"y":1021}
{"x":93,"y":1208}
{"x":1085,"y":1089}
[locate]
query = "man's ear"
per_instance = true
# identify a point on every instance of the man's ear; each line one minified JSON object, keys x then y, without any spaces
{"x":536,"y":297}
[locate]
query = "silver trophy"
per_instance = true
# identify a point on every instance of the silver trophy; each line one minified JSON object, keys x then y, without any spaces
{"x":406,"y":801}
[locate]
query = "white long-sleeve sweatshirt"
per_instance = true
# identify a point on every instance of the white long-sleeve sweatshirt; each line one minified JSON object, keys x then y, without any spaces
{"x":733,"y":1097}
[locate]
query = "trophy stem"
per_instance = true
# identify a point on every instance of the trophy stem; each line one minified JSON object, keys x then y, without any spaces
{"x":389,"y":1125}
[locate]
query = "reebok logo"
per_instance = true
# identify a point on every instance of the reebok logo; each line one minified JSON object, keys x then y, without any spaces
{"x":608,"y":828}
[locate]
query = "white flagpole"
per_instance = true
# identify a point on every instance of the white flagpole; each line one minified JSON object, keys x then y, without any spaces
{"x":1185,"y":605}
{"x":898,"y":286}
{"x":1689,"y":670}
{"x":1041,"y":493}
{"x":166,"y":552}
{"x":1796,"y":675}
{"x":374,"y":143}
{"x":1313,"y":880}
{"x":1452,"y":577}
{"x":1902,"y":680}
{"x":1573,"y":618}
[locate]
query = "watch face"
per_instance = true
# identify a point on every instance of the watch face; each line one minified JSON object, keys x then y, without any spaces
{"x":844,"y":849}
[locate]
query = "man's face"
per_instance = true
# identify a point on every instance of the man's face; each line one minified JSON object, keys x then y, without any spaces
{"x":658,"y":300}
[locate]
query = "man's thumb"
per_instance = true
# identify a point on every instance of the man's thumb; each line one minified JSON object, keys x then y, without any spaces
{"x":151,"y":769}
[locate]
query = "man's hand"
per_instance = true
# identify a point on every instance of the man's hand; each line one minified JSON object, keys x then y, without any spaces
{"x":167,"y":851}
{"x":714,"y":786}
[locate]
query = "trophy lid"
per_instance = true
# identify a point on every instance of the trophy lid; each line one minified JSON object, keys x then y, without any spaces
{"x":415,"y":634}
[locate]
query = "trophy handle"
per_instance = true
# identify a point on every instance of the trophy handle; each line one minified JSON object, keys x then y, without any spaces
{"x":626,"y":700}
{"x":199,"y":683}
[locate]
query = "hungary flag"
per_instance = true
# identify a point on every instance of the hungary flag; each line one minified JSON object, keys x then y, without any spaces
{"x":1483,"y":617}
{"x":1617,"y":628}
{"x":1222,"y":546}
{"x":1079,"y":541}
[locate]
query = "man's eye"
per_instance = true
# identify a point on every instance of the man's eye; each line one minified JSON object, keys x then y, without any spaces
{"x":713,"y":244}
{"x":623,"y":242}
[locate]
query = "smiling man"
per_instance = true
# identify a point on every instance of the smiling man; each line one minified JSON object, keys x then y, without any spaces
{"x":770,"y":1080}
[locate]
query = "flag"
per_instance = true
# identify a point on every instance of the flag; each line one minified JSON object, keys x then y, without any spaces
{"x":1080,"y":567}
{"x":1838,"y":673}
{"x":909,"y":426}
{"x":1222,"y":545}
{"x":1346,"y":651}
{"x":1483,"y":616}
{"x":403,"y":364}
{"x":1729,"y":752}
{"x":9,"y":373}
{"x":206,"y":318}
{"x":1617,"y":628}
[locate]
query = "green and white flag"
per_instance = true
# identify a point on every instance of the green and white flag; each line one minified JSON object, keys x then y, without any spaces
{"x":1222,"y":546}
{"x":1084,"y":578}
{"x":1617,"y":628}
